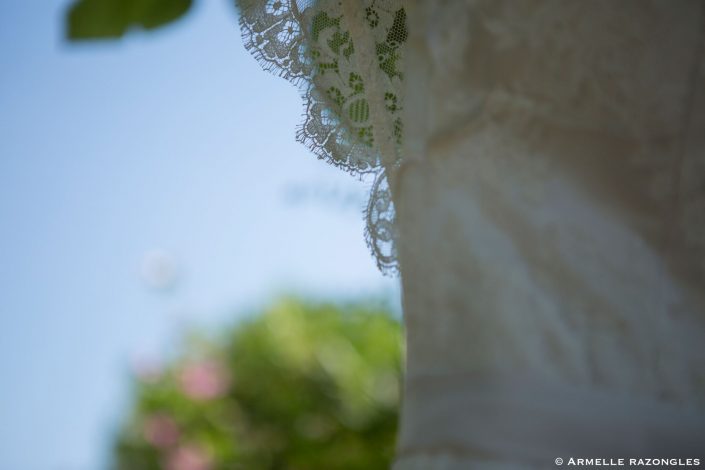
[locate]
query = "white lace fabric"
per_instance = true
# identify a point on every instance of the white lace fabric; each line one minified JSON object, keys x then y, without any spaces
{"x":346,"y":59}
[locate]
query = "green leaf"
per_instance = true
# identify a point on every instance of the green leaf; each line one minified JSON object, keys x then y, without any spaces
{"x":111,"y":19}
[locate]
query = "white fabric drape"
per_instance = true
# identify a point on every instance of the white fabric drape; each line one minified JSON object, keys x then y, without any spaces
{"x":549,"y":196}
{"x":551,"y":212}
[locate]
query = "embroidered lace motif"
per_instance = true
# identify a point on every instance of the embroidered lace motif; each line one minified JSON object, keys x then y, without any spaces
{"x":345,"y":57}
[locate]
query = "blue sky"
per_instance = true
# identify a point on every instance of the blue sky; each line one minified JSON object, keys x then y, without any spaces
{"x":175,"y":141}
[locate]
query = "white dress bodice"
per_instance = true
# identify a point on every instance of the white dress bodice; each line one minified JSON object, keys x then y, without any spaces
{"x":551,"y":211}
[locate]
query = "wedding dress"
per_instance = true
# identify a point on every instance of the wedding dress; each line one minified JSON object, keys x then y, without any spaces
{"x":539,"y":180}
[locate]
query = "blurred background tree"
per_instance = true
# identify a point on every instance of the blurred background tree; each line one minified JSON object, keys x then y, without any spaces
{"x":301,"y":386}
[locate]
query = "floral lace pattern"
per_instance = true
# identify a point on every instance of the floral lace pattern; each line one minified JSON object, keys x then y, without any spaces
{"x":351,"y":90}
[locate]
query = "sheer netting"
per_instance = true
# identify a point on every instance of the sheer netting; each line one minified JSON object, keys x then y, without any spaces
{"x":345,"y":57}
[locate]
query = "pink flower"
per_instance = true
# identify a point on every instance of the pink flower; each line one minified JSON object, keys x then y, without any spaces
{"x":204,"y":380}
{"x":160,"y":431}
{"x":188,"y":457}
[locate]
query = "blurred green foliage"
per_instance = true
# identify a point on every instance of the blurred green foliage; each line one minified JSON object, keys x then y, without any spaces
{"x":299,"y":386}
{"x":111,"y":19}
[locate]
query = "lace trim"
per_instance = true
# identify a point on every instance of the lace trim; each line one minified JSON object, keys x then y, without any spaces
{"x":351,"y":89}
